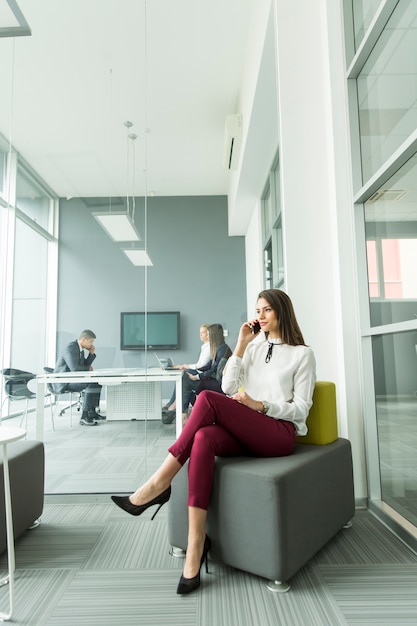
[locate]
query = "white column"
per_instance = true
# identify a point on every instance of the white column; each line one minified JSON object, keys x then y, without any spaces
{"x":317,"y":199}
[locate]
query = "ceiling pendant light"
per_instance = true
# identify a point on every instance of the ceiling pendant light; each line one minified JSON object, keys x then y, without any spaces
{"x":138,"y":257}
{"x":12,"y":21}
{"x":120,"y":225}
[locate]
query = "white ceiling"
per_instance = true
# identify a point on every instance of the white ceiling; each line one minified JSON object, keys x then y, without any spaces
{"x":172,"y":67}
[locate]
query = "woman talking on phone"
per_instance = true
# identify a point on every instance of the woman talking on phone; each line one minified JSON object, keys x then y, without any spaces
{"x":269,"y":386}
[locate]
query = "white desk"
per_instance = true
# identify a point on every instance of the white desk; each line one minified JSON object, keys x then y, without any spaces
{"x":7,"y":435}
{"x":106,"y":377}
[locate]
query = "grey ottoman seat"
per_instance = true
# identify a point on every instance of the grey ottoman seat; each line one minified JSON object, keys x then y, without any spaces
{"x":269,"y":516}
{"x":27,"y":471}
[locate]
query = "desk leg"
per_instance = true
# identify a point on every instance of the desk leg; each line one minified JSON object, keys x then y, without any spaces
{"x":9,"y":531}
{"x":178,"y":406}
{"x":40,"y":410}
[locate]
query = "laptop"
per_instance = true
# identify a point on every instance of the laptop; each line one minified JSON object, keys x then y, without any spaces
{"x":165,"y":364}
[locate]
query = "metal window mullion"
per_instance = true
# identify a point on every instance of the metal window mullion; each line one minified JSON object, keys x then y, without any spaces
{"x":371,"y":36}
{"x":34,"y":225}
{"x":407,"y":149}
{"x":370,"y":423}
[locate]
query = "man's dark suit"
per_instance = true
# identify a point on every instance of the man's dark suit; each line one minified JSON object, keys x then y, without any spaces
{"x":72,"y":359}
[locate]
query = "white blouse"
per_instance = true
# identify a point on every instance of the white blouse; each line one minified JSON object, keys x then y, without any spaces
{"x":204,"y":357}
{"x":286,"y":382}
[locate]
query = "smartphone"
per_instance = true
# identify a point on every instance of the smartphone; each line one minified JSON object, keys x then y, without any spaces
{"x":256,"y":328}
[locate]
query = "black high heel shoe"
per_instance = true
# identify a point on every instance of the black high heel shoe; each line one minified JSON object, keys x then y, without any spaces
{"x":187,"y":585}
{"x":137,"y":509}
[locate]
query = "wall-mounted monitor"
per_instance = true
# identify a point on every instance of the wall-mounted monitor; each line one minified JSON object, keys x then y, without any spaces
{"x":155,"y":330}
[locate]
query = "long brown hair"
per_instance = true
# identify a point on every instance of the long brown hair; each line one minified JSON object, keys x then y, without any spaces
{"x":288,"y":326}
{"x":216,"y":337}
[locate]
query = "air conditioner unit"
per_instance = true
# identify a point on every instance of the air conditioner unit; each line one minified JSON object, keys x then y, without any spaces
{"x":232,"y":141}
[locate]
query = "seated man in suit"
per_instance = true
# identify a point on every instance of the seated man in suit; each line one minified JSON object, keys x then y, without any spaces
{"x":73,"y":359}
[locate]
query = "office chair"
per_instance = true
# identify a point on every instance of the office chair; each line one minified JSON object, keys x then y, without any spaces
{"x":15,"y":388}
{"x":56,"y":395}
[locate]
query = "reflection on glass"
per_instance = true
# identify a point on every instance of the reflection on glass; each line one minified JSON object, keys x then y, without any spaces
{"x":363,"y":14}
{"x":387,"y":90}
{"x":391,"y":245}
{"x":395,"y":376}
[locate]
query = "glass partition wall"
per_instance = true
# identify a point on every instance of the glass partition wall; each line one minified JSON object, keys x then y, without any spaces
{"x":118,"y":453}
{"x":42,"y":236}
{"x":62,"y":272}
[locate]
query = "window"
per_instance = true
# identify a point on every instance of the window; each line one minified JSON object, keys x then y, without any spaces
{"x":268,"y":269}
{"x":3,"y":165}
{"x":29,"y":313}
{"x":363,"y":14}
{"x":387,"y":90}
{"x":382,"y":75}
{"x":395,"y":361}
{"x":391,"y":245}
{"x":272,"y":232}
{"x":31,"y":198}
{"x":28,"y":271}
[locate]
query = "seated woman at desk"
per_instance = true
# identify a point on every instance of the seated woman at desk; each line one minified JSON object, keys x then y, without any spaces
{"x":213,"y":382}
{"x":168,"y":411}
{"x":192,"y":381}
{"x":262,"y":420}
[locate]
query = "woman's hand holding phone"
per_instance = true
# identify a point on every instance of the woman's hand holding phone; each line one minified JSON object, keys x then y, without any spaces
{"x":256,"y":327}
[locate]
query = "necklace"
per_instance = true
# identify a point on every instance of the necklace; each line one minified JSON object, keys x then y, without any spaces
{"x":271,"y":344}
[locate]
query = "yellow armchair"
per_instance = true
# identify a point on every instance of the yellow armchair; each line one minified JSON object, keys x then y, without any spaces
{"x":322,"y":419}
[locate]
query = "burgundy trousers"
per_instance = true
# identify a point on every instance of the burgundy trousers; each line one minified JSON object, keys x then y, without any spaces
{"x":220,"y":426}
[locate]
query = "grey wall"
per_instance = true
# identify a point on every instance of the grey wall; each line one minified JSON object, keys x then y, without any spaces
{"x":198,"y":270}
